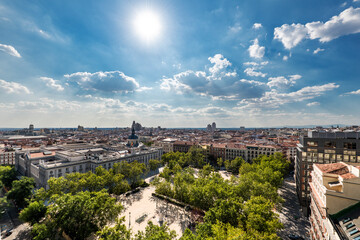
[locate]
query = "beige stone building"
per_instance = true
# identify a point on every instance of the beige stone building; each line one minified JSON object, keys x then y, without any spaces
{"x":334,"y":187}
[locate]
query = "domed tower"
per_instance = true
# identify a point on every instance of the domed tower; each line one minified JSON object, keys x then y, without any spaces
{"x":133,"y":140}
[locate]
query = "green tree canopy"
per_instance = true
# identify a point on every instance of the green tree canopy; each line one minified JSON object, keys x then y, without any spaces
{"x":21,"y":191}
{"x":7,"y":175}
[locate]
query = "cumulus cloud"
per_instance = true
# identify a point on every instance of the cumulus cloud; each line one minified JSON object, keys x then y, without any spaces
{"x":253,"y":73}
{"x":10,"y":50}
{"x":219,"y":62}
{"x":357,"y":92}
{"x":113,"y":81}
{"x":282,"y":82}
{"x":255,"y":50}
{"x":257,"y":25}
{"x":218,"y":82}
{"x":274,"y":99}
{"x":316,"y":51}
{"x":13,"y":87}
{"x":51,"y":83}
{"x":285,"y":58}
{"x":347,"y":22}
{"x":313,"y":104}
{"x":253,"y":70}
{"x":290,"y":35}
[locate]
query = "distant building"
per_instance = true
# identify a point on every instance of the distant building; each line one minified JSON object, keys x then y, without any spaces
{"x":335,"y":187}
{"x":242,"y":129}
{"x":133,"y":140}
{"x":31,"y":127}
{"x":7,"y":157}
{"x":51,"y":162}
{"x":322,"y":147}
{"x":247,"y":152}
{"x":213,"y":126}
{"x":167,"y":145}
{"x":80,"y":128}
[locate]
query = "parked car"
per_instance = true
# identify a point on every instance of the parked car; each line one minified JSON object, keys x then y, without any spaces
{"x":295,"y":237}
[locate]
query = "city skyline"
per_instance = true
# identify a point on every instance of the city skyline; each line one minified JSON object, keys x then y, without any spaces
{"x":184,"y":64}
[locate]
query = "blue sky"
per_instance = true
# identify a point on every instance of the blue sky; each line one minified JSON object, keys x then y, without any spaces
{"x":247,"y":63}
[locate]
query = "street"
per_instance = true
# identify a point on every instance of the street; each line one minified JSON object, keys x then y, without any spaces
{"x":290,"y":215}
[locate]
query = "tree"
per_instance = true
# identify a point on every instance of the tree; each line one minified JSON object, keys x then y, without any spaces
{"x":33,"y":213}
{"x":154,"y":164}
{"x":83,"y":213}
{"x":206,"y":170}
{"x":196,"y":156}
{"x":21,"y":191}
{"x":42,"y":231}
{"x":154,"y":232}
{"x":259,"y":215}
{"x":219,"y":162}
{"x":7,"y":175}
{"x":117,"y":232}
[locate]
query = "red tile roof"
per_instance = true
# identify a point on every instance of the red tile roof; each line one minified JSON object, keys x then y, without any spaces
{"x":333,"y":168}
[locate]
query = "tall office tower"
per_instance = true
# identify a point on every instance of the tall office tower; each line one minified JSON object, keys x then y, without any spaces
{"x":322,"y":147}
{"x":31,"y":127}
{"x":213,"y":126}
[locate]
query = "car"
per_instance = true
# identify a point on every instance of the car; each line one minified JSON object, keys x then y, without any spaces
{"x":7,"y":232}
{"x":295,"y":237}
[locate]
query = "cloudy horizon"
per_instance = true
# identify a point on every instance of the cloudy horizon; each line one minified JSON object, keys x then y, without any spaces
{"x":184,"y":64}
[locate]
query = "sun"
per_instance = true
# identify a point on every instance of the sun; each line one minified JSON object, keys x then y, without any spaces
{"x":147,"y":25}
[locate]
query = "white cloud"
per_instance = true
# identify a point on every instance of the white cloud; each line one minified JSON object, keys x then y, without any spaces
{"x":357,"y":92}
{"x":13,"y":87}
{"x":257,"y":25}
{"x":218,"y":82}
{"x":347,"y":22}
{"x":255,"y":50}
{"x":274,"y":99}
{"x":219,"y":62}
{"x":316,"y":51}
{"x":235,"y":29}
{"x":285,"y":58}
{"x":10,"y":50}
{"x":112,"y":81}
{"x":282,"y":82}
{"x":251,"y":72}
{"x":51,"y":83}
{"x":255,"y":63}
{"x":142,"y":89}
{"x":290,"y":35}
{"x":313,"y":104}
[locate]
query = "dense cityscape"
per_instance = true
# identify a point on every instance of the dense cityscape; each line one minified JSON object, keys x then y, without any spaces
{"x":314,"y":171}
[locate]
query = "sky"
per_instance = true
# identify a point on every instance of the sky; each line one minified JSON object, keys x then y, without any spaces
{"x":252,"y":63}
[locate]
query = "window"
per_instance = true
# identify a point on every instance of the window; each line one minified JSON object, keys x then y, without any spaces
{"x":312,"y":144}
{"x":349,"y":152}
{"x":330,"y":144}
{"x":349,"y":145}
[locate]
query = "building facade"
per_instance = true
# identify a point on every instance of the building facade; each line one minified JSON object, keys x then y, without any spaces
{"x":7,"y":157}
{"x":46,"y":164}
{"x":322,"y":147}
{"x":334,"y":187}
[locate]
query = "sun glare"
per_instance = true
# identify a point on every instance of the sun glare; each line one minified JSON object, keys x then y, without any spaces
{"x":147,"y":25}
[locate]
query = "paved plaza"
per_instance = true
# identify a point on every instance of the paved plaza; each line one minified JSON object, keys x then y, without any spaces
{"x":142,"y":207}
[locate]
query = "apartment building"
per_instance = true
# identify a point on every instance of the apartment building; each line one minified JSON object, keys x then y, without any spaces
{"x":322,"y":147}
{"x":7,"y":157}
{"x":334,"y":187}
